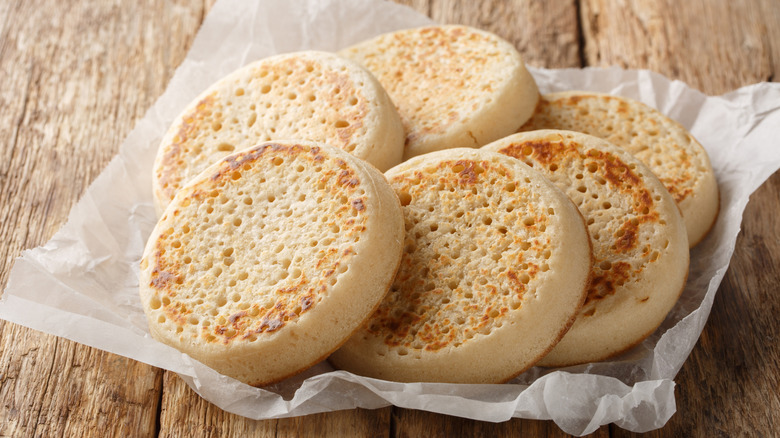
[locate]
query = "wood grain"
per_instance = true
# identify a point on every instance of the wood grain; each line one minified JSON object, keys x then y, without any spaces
{"x":185,"y":414}
{"x":715,"y":46}
{"x":413,"y":423}
{"x":76,"y":75}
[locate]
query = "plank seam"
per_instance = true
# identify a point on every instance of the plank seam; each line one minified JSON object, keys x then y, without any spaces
{"x":770,"y":54}
{"x":580,"y":34}
{"x":38,"y":421}
{"x":158,"y":415}
{"x":392,"y":432}
{"x":202,"y":17}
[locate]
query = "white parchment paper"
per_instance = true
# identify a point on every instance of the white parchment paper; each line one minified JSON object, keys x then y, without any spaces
{"x":83,"y":283}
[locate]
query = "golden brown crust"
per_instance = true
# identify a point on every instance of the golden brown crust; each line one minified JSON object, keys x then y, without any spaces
{"x":639,"y":339}
{"x":268,"y":260}
{"x":454,"y":86}
{"x":292,"y":299}
{"x":662,"y":144}
{"x":304,"y":95}
{"x":483,"y":264}
{"x":639,"y":242}
{"x":609,"y":168}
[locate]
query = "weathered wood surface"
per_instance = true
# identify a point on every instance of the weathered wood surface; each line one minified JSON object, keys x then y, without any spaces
{"x":76,"y":75}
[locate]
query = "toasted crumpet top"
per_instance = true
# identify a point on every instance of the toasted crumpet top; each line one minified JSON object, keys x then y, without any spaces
{"x":640,"y":246}
{"x":494,"y":270}
{"x":454,"y":86}
{"x":304,"y":95}
{"x":269,"y":259}
{"x":662,"y":144}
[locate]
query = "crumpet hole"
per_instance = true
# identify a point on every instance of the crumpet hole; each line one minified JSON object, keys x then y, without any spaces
{"x":405,"y":198}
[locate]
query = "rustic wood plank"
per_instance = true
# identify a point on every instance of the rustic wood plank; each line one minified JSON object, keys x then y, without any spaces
{"x":76,"y":77}
{"x":740,"y":345}
{"x":352,"y":423}
{"x":185,"y":414}
{"x":715,"y":46}
{"x":413,"y":423}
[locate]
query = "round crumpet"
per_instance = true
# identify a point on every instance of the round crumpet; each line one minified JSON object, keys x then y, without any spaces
{"x":454,"y":86}
{"x":661,"y":143}
{"x":640,"y":246}
{"x":308,"y":95}
{"x":268,"y":260}
{"x":495,"y":267}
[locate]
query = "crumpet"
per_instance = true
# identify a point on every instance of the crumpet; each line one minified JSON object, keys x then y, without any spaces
{"x":454,"y":86}
{"x":268,"y":260}
{"x":640,"y":245}
{"x":495,"y":267}
{"x":308,"y":95}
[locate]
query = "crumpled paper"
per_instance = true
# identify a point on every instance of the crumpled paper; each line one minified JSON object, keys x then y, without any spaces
{"x":83,"y":283}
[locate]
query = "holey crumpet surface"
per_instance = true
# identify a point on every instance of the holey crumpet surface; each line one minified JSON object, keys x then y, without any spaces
{"x":454,"y":86}
{"x":640,"y":245}
{"x":495,"y":267}
{"x":662,"y":144}
{"x":268,"y":260}
{"x":307,"y":95}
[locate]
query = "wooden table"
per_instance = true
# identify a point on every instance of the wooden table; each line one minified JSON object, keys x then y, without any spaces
{"x":76,"y":75}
